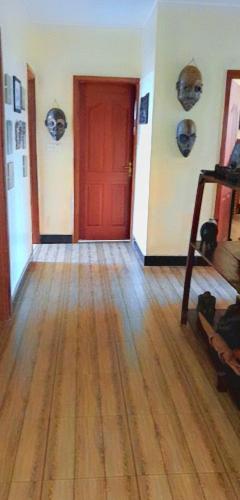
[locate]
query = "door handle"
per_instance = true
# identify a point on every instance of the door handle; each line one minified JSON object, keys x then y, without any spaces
{"x":129,"y":167}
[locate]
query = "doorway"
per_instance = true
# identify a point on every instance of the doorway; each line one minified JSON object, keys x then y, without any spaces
{"x":5,"y":287}
{"x":33,"y":154}
{"x":104,"y":157}
{"x":227,"y":209}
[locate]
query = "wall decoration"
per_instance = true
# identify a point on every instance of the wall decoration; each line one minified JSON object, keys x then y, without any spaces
{"x":23,"y":135}
{"x":56,"y":123}
{"x":7,"y":89}
{"x":17,"y":95}
{"x":234,"y":161}
{"x":25,"y":166}
{"x":9,"y":137}
{"x":23,"y":98}
{"x":144,"y":104}
{"x":186,"y":136}
{"x":20,"y":134}
{"x":10,"y":175}
{"x":189,"y":86}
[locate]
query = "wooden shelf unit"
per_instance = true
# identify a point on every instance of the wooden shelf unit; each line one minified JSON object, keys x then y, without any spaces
{"x":225,"y":258}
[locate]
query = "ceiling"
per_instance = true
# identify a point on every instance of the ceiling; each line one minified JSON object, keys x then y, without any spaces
{"x":112,"y":13}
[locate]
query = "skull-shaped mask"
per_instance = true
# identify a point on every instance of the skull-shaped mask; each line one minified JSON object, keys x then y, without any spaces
{"x":189,"y":86}
{"x":56,"y":123}
{"x":186,"y":136}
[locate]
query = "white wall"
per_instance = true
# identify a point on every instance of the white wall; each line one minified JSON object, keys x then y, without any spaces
{"x":211,"y":36}
{"x":144,"y":139}
{"x":14,"y":48}
{"x":58,"y":53}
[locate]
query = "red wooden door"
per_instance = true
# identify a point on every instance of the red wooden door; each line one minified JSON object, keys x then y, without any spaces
{"x":33,"y":155}
{"x":106,"y":112}
{"x":223,"y":209}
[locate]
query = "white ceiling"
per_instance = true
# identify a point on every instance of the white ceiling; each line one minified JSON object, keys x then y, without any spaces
{"x":112,"y":13}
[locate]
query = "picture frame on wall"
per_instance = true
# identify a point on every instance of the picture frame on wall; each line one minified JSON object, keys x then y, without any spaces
{"x":25,"y":166}
{"x":144,"y":104}
{"x":10,"y":175}
{"x":23,"y":135}
{"x":9,"y":137}
{"x":23,"y":98}
{"x":7,"y":89}
{"x":18,"y":135}
{"x":17,"y":100}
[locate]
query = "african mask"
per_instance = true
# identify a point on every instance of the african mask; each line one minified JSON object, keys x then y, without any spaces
{"x":189,"y":86}
{"x":186,"y":136}
{"x":56,"y":123}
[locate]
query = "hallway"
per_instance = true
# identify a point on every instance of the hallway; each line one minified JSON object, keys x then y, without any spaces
{"x":103,"y":395}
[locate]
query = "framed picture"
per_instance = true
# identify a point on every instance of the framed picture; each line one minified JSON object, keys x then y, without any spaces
{"x":23,"y":98}
{"x":234,"y":161}
{"x":7,"y":89}
{"x":25,"y":166}
{"x":10,"y":175}
{"x":18,"y":134}
{"x":17,"y":105}
{"x":23,"y":135}
{"x":144,"y":103}
{"x":9,"y":137}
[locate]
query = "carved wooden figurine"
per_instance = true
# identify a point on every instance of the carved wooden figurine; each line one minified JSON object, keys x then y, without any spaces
{"x":208,"y":232}
{"x":229,"y":325}
{"x":207,"y":306}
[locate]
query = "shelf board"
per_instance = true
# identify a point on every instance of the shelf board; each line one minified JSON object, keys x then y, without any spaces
{"x":212,"y":178}
{"x":225,"y":258}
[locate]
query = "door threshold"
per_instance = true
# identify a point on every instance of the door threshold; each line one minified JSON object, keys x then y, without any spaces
{"x":104,"y":241}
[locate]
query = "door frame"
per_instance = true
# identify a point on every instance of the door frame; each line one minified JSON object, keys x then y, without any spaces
{"x":232,"y":74}
{"x":77,"y":143}
{"x":33,"y":156}
{"x":5,"y":283}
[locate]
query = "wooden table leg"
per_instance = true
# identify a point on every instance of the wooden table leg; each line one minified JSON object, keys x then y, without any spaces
{"x":190,"y":259}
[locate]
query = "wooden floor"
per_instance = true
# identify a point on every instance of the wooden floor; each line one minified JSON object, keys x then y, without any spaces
{"x":235,"y":230}
{"x":103,"y":395}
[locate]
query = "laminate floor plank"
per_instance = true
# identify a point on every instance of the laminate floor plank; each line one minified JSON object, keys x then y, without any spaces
{"x":103,"y":395}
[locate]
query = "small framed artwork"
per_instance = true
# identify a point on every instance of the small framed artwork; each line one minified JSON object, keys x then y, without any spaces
{"x":9,"y":137}
{"x":18,"y":134}
{"x":23,"y":98}
{"x":17,"y":106}
{"x":10,"y":175}
{"x":234,"y":161}
{"x":25,"y":166}
{"x":144,"y":104}
{"x":7,"y":89}
{"x":23,"y":135}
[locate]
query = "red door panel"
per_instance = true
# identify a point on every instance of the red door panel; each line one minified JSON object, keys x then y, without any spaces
{"x":106,"y":113}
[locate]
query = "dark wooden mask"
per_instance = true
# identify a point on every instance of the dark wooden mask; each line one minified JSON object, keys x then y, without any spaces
{"x":189,"y":86}
{"x":186,"y":136}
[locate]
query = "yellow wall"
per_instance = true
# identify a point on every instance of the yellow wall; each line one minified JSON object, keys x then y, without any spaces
{"x":58,"y":53}
{"x":211,"y":36}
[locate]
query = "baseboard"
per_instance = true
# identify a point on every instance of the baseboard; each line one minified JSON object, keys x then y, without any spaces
{"x":166,"y":260}
{"x":21,"y":281}
{"x":55,"y":238}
